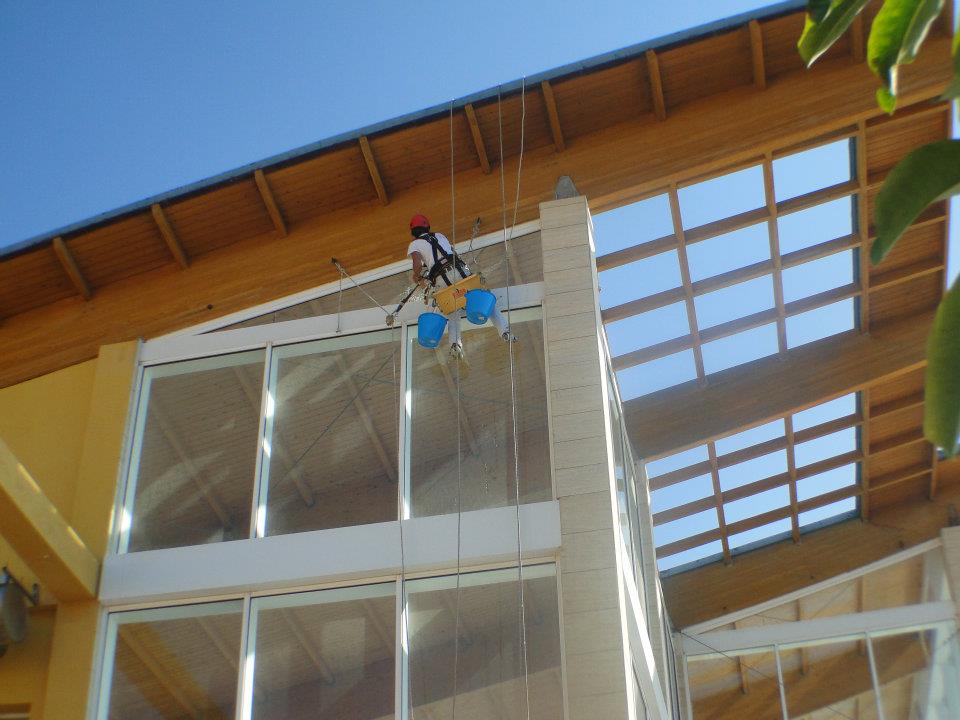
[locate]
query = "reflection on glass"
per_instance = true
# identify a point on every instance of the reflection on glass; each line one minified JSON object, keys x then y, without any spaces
{"x":475,"y":470}
{"x":918,"y":674}
{"x":326,"y":654}
{"x":828,"y":681}
{"x":192,"y":471}
{"x":488,"y":658}
{"x":331,"y":433}
{"x":717,"y":687}
{"x":172,"y":663}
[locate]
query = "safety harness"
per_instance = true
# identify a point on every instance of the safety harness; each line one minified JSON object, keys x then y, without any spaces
{"x":443,"y":261}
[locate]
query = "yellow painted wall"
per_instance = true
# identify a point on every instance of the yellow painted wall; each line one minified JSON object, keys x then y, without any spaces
{"x":23,"y":670}
{"x":67,"y":429}
{"x":44,"y":422}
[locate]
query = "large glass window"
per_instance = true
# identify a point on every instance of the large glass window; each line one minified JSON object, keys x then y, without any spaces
{"x":461,"y":427}
{"x":176,"y":662}
{"x":467,"y":643}
{"x":330,"y":442}
{"x":196,"y":452}
{"x":323,"y":654}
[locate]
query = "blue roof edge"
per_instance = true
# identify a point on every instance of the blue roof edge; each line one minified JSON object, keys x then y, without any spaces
{"x":613,"y":56}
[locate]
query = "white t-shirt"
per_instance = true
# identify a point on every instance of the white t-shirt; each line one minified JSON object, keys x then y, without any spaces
{"x":425,"y":249}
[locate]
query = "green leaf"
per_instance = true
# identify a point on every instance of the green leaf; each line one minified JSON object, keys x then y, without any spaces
{"x":826,"y":21}
{"x":953,"y":89}
{"x":817,"y":9}
{"x":927,"y":174}
{"x":896,"y":35}
{"x":941,"y":415}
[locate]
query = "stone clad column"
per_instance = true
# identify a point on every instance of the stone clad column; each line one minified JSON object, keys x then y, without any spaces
{"x":591,"y":597}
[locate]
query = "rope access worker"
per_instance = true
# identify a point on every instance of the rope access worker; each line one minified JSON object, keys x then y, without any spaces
{"x":433,"y":259}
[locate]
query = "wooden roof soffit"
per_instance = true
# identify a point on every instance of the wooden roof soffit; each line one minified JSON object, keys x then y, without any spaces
{"x":70,"y":267}
{"x":553,"y":115}
{"x":756,"y":55}
{"x":270,"y":202}
{"x":371,"y":162}
{"x":169,"y":236}
{"x":471,"y":114}
{"x":857,"y":39}
{"x":656,"y":85}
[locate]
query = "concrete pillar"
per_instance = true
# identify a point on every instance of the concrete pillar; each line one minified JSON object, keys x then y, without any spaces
{"x":591,"y":595}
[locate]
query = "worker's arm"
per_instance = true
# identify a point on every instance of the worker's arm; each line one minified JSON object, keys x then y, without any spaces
{"x":417,"y":273}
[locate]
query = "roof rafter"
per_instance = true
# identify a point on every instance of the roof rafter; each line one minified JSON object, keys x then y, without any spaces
{"x":374,"y":171}
{"x":477,"y":136}
{"x":169,"y":236}
{"x":656,"y":85}
{"x":553,"y":115}
{"x":70,"y":267}
{"x":270,"y":202}
{"x":756,"y":55}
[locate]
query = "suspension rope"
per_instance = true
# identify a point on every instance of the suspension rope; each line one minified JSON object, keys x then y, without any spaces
{"x":345,"y":274}
{"x":513,"y":384}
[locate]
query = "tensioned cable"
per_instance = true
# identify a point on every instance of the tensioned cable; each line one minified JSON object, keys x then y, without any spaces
{"x":404,"y":614}
{"x":456,"y":625}
{"x":345,"y":274}
{"x":513,"y":384}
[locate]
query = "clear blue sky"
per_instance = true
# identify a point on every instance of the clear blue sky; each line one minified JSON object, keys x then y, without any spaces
{"x":109,"y":102}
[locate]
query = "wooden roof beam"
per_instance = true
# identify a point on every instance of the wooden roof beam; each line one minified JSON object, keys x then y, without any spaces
{"x":270,"y":202}
{"x":553,"y":115}
{"x":686,"y":415}
{"x":70,"y":267}
{"x":475,"y":133}
{"x":712,"y":591}
{"x":161,"y":674}
{"x":300,"y":635}
{"x":169,"y":236}
{"x":389,"y":469}
{"x":374,"y":171}
{"x":656,"y":85}
{"x":756,"y":55}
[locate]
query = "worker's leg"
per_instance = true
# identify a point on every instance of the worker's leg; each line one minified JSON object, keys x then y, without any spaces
{"x":453,"y":328}
{"x":500,"y":323}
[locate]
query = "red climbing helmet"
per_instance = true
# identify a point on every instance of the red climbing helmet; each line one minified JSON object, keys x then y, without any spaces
{"x":419,"y":221}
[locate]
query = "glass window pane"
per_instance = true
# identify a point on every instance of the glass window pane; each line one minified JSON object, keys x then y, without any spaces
{"x":818,"y":276}
{"x":770,"y":531}
{"x":829,"y":481}
{"x":489,"y":659}
{"x":837,"y":511}
{"x":331,"y":433}
{"x":828,"y":681}
{"x":815,"y":225}
{"x":721,"y":197}
{"x":685,"y":527}
{"x":716,"y":689}
{"x":820,"y":323}
{"x":479,"y":464}
{"x":750,"y":471}
{"x":825,"y":447}
{"x":172,"y":662}
{"x":647,"y":329}
{"x":734,"y":302}
{"x":727,"y":252}
{"x":639,"y":279}
{"x":632,"y":224}
{"x":825,"y":412}
{"x":777,"y":497}
{"x":911,"y":670}
{"x":740,"y":348}
{"x":681,"y":493}
{"x":656,"y":375}
{"x":325,"y":654}
{"x":676,"y":461}
{"x":812,"y":169}
{"x":751,"y":437}
{"x":192,"y":474}
{"x":701,"y":552}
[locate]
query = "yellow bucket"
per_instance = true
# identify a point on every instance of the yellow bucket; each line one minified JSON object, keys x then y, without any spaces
{"x":453,"y":297}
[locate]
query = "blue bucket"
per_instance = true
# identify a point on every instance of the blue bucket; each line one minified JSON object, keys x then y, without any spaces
{"x":430,"y":326}
{"x":480,"y":304}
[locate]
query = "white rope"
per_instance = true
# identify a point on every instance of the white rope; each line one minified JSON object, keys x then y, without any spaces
{"x":345,"y":274}
{"x":513,"y":384}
